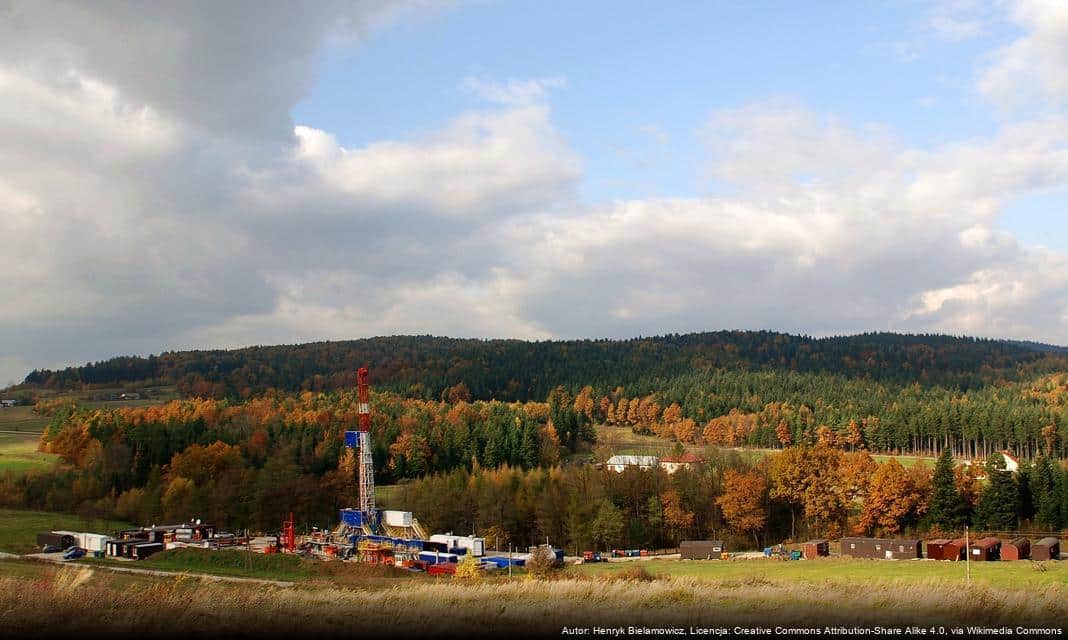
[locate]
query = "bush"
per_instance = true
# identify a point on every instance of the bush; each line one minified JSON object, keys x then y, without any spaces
{"x":542,"y":563}
{"x":468,"y":570}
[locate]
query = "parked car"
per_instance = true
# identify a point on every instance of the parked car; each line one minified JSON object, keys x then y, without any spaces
{"x":74,"y":553}
{"x":51,"y":548}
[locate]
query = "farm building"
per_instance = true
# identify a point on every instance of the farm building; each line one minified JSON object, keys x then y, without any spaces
{"x":816,"y":548}
{"x":687,"y":460}
{"x":882,"y":548}
{"x":8,"y":403}
{"x":619,"y":463}
{"x":985,"y":549}
{"x":1018,"y":549}
{"x":701,"y":549}
{"x":1046,"y":549}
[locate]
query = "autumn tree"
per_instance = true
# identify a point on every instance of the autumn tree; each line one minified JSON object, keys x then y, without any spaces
{"x":892,"y":501}
{"x":783,"y":434}
{"x":676,"y":518}
{"x":743,"y":502}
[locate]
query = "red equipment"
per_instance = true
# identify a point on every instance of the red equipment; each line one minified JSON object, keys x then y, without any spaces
{"x":363,"y":396}
{"x":289,"y":534}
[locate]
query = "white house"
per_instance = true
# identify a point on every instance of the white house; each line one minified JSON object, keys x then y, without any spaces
{"x":671,"y":464}
{"x":8,"y":403}
{"x":619,"y":463}
{"x":1012,"y":463}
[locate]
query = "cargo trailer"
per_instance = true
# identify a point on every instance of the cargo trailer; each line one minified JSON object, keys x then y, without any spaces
{"x":882,"y":548}
{"x":1046,"y":549}
{"x":816,"y":549}
{"x":1018,"y":549}
{"x":56,"y":539}
{"x":701,"y":549}
{"x":985,"y":550}
{"x":144,"y":549}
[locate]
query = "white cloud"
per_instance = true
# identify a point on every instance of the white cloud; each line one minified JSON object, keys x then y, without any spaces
{"x":151,"y":214}
{"x":514,"y":92}
{"x":1033,"y":69}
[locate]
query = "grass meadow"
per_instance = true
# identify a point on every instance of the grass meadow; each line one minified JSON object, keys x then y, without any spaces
{"x":18,"y":453}
{"x":623,"y":441}
{"x":98,"y":601}
{"x":19,"y":529}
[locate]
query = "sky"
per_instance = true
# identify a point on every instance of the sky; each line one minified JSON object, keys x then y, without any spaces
{"x":203,"y":175}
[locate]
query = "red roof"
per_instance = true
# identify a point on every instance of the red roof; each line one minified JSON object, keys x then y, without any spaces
{"x":686,"y":458}
{"x":1010,"y":457}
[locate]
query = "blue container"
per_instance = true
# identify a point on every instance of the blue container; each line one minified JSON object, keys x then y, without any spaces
{"x":357,"y":518}
{"x":352,"y":439}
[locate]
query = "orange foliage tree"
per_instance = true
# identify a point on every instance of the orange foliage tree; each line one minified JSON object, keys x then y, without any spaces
{"x":743,"y":502}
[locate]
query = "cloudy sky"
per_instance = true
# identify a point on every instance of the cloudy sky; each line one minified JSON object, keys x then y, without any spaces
{"x":177,"y":175}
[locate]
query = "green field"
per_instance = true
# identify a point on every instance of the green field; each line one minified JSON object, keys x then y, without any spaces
{"x":222,"y":563}
{"x":18,"y":453}
{"x":104,"y":602}
{"x":19,"y":529}
{"x":623,"y":441}
{"x":21,"y":418}
{"x":844,"y":570}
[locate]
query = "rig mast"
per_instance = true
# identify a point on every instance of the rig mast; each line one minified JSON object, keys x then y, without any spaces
{"x":366,"y":462}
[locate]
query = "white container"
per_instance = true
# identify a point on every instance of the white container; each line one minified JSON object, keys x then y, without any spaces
{"x":398,"y":518}
{"x":93,"y":542}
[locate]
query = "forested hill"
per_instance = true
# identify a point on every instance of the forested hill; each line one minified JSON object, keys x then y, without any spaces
{"x":426,"y":366}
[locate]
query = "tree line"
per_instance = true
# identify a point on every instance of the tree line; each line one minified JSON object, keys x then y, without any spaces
{"x":798,"y":493}
{"x":516,"y":370}
{"x":247,"y":463}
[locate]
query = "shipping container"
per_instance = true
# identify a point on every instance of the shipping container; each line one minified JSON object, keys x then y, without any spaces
{"x":701,"y":549}
{"x":1018,"y":549}
{"x":143,"y":550}
{"x":116,"y":547}
{"x":816,"y":548}
{"x":92,"y":542}
{"x":985,"y":549}
{"x":882,"y":548}
{"x":55,"y":538}
{"x":943,"y":549}
{"x":431,"y":557}
{"x":397,"y":518}
{"x":1046,"y":549}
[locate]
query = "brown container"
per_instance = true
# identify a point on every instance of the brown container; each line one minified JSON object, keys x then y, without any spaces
{"x":816,"y":548}
{"x":701,"y":549}
{"x":882,"y":548}
{"x":936,"y":548}
{"x":1018,"y":549}
{"x":1046,"y":549}
{"x":985,"y":549}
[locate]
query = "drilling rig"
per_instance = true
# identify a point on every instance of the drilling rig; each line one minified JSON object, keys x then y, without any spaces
{"x":364,"y":517}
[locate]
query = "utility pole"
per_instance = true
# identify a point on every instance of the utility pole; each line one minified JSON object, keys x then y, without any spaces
{"x":967,"y":554}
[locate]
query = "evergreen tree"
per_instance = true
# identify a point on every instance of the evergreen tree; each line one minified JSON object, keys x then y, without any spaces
{"x":530,"y":446}
{"x":997,"y":504}
{"x":947,"y":508}
{"x":1045,"y":491}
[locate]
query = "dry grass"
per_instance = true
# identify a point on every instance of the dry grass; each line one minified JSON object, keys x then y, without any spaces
{"x":91,"y":603}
